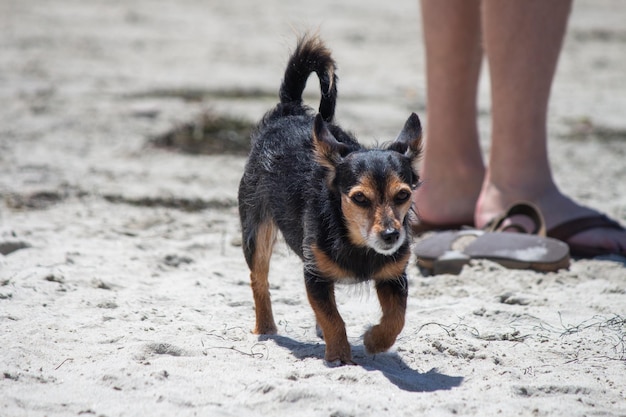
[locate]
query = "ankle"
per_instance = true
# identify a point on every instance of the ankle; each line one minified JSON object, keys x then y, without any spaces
{"x":496,"y":197}
{"x":448,"y":197}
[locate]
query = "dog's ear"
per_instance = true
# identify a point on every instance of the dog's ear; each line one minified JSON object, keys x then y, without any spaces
{"x":328,"y":150}
{"x":409,"y":141}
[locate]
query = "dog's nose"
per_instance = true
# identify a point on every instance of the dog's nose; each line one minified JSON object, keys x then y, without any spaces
{"x":390,"y":236}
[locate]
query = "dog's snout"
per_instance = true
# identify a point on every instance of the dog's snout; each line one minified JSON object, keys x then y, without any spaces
{"x":390,"y":236}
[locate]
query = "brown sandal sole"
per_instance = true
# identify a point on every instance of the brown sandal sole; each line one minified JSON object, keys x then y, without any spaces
{"x":448,"y":252}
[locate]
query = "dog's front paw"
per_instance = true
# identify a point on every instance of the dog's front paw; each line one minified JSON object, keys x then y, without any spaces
{"x":265,"y":328}
{"x":377,"y":340}
{"x":337,"y":363}
{"x":338,"y":355}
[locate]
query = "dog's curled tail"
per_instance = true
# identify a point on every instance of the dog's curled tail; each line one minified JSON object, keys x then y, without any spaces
{"x":311,"y":55}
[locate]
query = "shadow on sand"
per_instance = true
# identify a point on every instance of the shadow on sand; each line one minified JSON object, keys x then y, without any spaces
{"x":389,"y":364}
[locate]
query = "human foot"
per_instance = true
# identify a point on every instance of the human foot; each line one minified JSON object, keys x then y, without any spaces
{"x":587,"y":231}
{"x":445,"y":201}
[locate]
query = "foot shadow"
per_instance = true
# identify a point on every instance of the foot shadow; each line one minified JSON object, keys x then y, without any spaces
{"x":390,"y":364}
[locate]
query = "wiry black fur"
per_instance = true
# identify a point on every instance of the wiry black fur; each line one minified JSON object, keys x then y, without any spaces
{"x":285,"y":183}
{"x":310,"y":56}
{"x":282,"y":180}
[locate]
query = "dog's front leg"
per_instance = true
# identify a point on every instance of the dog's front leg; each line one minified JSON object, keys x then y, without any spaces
{"x":392,"y":295}
{"x":321,"y":294}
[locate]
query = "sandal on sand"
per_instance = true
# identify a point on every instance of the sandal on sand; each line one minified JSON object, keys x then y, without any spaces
{"x":506,"y":221}
{"x":565,"y":231}
{"x":509,"y":221}
{"x":447,"y":252}
{"x":562,"y":232}
{"x":501,"y":223}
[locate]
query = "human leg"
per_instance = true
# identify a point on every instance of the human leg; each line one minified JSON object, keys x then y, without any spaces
{"x":522,"y":42}
{"x":452,"y":170}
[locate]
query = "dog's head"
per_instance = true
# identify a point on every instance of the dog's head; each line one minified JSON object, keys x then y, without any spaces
{"x":375,"y":185}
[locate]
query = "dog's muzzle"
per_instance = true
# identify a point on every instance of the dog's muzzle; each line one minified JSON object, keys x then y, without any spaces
{"x":388,"y":241}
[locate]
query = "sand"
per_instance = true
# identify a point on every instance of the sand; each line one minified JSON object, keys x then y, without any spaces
{"x":123,"y":289}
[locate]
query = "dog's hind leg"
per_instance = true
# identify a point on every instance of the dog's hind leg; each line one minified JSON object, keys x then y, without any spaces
{"x":392,"y":295}
{"x":258,"y":249}
{"x":321,"y":295}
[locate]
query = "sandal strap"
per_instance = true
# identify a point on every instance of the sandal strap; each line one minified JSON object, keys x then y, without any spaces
{"x":566,"y":230}
{"x":523,"y":208}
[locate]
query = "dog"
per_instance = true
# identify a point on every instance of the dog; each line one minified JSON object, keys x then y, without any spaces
{"x":343,"y":208}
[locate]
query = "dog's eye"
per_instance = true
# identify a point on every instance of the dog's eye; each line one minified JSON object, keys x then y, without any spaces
{"x":360,"y":199}
{"x":402,"y":196}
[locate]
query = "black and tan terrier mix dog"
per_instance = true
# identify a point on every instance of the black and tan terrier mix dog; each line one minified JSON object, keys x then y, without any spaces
{"x":342,"y":208}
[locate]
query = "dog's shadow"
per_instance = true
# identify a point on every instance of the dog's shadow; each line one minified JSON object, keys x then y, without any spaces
{"x":390,"y":364}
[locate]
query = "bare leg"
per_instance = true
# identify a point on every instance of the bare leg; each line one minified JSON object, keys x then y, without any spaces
{"x":452,"y":170}
{"x":522,"y":42}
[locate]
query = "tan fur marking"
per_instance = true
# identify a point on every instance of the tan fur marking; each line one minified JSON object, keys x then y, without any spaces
{"x":334,"y":331}
{"x":382,"y":214}
{"x":382,"y":336}
{"x":359,"y":219}
{"x":323,"y":154}
{"x":395,"y":186}
{"x":385,"y":217}
{"x":327,"y":266}
{"x":388,"y":214}
{"x":366,"y":186}
{"x":266,"y":237}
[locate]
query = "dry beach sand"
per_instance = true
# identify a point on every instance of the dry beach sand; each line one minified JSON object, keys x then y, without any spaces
{"x":123,"y":290}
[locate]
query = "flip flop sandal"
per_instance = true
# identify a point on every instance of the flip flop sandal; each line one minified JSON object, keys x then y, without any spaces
{"x":510,"y":221}
{"x":502,"y":223}
{"x":507,"y":221}
{"x":566,"y":230}
{"x":447,"y":252}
